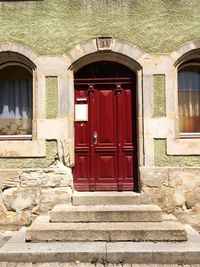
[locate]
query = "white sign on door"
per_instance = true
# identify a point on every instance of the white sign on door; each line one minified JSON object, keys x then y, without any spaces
{"x":81,"y":112}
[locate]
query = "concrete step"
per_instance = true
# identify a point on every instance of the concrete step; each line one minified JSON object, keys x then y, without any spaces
{"x":43,"y":230}
{"x":106,"y":213}
{"x":109,"y":198}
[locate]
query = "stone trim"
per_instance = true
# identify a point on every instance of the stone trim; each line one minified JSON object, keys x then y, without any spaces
{"x":145,"y":65}
{"x":91,"y":47}
{"x":183,"y":50}
{"x":88,"y":52}
{"x":34,"y":148}
{"x":175,"y":145}
{"x":19,"y":48}
{"x":22,"y":149}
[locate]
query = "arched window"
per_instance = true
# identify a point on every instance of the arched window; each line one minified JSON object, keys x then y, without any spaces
{"x":15,"y":100}
{"x":189,"y":97}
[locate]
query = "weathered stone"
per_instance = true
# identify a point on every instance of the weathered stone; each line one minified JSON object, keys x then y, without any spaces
{"x":197,"y":208}
{"x":13,"y":221}
{"x":9,"y":178}
{"x":21,"y":198}
{"x":189,"y":217}
{"x":192,"y":197}
{"x":43,"y":230}
{"x":184,"y":177}
{"x":179,"y":199}
{"x":103,"y":198}
{"x":106,"y":213}
{"x":154,"y":177}
{"x":179,"y":195}
{"x":163,"y":197}
{"x":169,"y":217}
{"x":45,"y":178}
{"x":54,"y":196}
{"x":2,"y":206}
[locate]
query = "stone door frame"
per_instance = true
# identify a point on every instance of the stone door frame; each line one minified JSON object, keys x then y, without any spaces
{"x":118,"y":52}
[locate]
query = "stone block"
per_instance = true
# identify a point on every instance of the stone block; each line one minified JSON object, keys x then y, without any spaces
{"x":90,"y":47}
{"x":192,"y":197}
{"x":103,"y":198}
{"x":2,"y":206}
{"x":9,"y":178}
{"x":10,"y":220}
{"x":164,"y":197}
{"x":184,"y":177}
{"x":189,"y":217}
{"x":43,"y":230}
{"x":54,"y":196}
{"x":154,"y":177}
{"x":179,"y":199}
{"x":106,"y":213}
{"x":19,"y":199}
{"x":45,"y":178}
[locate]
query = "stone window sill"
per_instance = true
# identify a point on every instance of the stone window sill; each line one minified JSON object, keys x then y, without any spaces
{"x":17,"y":149}
{"x":183,"y":146}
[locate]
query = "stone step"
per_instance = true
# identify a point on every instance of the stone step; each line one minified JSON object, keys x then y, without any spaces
{"x":106,"y":213}
{"x":43,"y":230}
{"x":126,"y":253}
{"x":109,"y":198}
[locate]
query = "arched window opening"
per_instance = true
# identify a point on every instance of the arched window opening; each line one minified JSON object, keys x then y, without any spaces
{"x":15,"y":101}
{"x":189,"y":98}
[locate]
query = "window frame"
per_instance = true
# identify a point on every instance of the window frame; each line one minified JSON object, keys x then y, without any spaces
{"x":186,"y":135}
{"x":33,"y":73}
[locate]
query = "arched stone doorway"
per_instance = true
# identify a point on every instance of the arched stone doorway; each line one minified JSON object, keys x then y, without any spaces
{"x":121,"y":53}
{"x":106,"y":156}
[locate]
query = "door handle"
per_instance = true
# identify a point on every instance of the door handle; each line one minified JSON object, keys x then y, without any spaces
{"x":95,"y":138}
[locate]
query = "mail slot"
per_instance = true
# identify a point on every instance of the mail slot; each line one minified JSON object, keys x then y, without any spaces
{"x":80,"y":99}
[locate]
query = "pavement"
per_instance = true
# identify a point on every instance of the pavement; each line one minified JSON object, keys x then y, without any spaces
{"x":58,"y":264}
{"x":5,"y":236}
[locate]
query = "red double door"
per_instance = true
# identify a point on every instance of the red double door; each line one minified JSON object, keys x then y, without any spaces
{"x":106,"y":143}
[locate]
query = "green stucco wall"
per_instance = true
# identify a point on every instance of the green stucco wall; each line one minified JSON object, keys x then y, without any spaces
{"x":51,"y":97}
{"x":14,"y":163}
{"x":164,"y":160}
{"x":54,"y":26}
{"x":159,"y":95}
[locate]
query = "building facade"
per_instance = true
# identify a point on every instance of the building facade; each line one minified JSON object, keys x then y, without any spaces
{"x":99,"y":95}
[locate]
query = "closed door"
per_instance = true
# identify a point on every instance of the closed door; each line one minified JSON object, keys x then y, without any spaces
{"x":106,"y":139}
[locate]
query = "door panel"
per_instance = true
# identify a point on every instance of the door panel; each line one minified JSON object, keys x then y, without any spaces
{"x":82,"y":146}
{"x":127,"y":133}
{"x":105,"y":145}
{"x":104,"y":124}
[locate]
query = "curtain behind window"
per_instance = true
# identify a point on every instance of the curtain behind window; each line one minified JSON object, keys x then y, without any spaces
{"x":189,"y":98}
{"x":15,"y":107}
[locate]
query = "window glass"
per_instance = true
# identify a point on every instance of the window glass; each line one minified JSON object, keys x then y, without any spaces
{"x":189,"y":97}
{"x":15,"y":101}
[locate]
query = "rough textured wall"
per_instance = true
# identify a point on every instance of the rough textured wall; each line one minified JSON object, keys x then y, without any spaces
{"x":52,"y":26}
{"x":51,"y":97}
{"x":51,"y":151}
{"x":164,"y":160}
{"x":175,"y":190}
{"x":159,"y":95}
{"x":28,"y":192}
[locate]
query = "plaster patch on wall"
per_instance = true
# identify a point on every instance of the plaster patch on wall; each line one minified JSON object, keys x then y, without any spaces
{"x":51,"y":97}
{"x":164,"y":160}
{"x":159,"y":95}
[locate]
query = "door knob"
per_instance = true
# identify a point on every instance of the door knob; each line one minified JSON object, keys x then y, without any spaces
{"x":95,"y":138}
